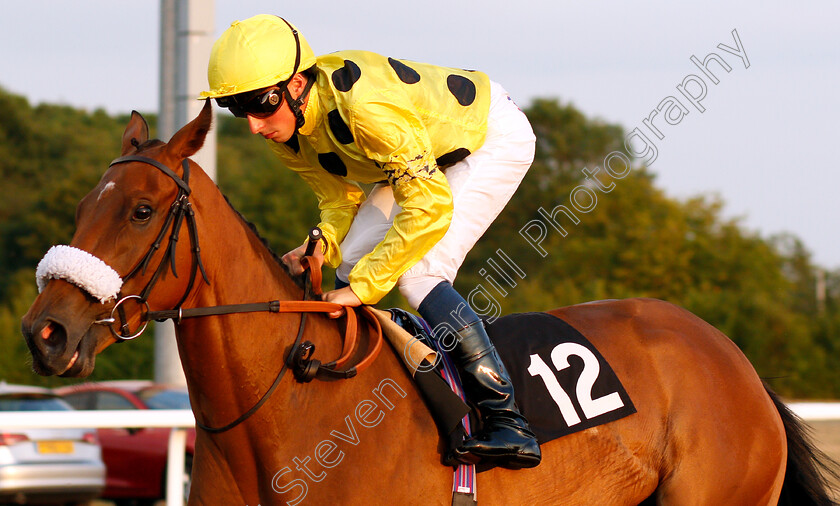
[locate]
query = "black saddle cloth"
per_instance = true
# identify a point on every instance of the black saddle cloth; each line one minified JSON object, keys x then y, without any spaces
{"x":562,"y":383}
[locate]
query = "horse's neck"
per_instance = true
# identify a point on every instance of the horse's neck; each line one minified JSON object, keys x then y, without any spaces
{"x":241,"y":265}
{"x":231,"y":360}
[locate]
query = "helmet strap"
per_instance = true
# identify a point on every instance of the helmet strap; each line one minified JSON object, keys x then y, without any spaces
{"x":296,"y":103}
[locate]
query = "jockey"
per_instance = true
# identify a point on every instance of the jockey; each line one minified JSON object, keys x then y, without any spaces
{"x":445,"y":149}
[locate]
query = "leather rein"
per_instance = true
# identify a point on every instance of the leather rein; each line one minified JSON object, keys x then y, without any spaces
{"x":299,"y":359}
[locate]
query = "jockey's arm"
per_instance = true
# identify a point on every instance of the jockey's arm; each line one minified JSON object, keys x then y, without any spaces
{"x":339,"y":201}
{"x":422,"y":222}
{"x":420,"y":188}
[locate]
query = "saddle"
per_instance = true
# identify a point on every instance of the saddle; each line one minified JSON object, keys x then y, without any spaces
{"x":579,"y":390}
{"x":410,"y":340}
{"x":578,"y":394}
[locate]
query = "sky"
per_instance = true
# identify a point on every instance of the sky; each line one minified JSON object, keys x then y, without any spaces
{"x":763,"y":142}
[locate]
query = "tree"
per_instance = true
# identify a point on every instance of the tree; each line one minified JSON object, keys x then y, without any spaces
{"x":622,"y":237}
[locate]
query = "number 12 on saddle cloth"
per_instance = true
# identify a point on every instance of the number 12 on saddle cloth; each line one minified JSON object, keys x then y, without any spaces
{"x":563,"y":384}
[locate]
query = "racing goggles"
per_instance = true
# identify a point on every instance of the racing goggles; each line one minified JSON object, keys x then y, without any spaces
{"x":260,"y":104}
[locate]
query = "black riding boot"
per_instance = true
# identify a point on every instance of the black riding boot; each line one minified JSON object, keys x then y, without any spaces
{"x":505,"y":438}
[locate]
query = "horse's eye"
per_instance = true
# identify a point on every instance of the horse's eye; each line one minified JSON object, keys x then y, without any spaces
{"x":142,"y":213}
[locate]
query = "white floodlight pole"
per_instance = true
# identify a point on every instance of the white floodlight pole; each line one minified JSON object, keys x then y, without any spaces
{"x":186,"y":37}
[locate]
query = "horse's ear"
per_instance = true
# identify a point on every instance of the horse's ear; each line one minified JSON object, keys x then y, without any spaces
{"x":136,"y":133}
{"x":189,"y":139}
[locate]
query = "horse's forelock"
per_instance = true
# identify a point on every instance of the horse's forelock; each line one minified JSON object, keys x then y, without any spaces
{"x":149,"y":144}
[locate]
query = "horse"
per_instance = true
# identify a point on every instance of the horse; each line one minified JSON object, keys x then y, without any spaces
{"x":707,"y":429}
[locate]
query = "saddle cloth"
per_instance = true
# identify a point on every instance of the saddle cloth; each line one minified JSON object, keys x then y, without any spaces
{"x":562,"y":383}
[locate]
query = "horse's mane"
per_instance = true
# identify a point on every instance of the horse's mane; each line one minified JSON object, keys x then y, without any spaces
{"x":299,"y":279}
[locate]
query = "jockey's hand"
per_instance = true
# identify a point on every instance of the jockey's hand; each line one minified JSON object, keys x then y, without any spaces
{"x":292,"y":258}
{"x":343,"y":296}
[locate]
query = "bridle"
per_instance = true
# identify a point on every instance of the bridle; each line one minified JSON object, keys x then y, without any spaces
{"x":299,"y":359}
{"x":180,"y":209}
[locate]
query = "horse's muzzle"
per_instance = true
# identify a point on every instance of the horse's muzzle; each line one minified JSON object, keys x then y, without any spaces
{"x":48,"y":343}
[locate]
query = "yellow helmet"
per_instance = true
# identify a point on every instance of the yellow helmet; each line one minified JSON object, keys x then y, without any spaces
{"x":256,"y":53}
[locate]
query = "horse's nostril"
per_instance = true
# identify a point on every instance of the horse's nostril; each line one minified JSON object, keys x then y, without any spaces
{"x":47,"y":331}
{"x":54,"y":336}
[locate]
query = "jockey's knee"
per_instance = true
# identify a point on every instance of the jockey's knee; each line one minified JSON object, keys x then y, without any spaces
{"x":415,"y":289}
{"x":342,"y":274}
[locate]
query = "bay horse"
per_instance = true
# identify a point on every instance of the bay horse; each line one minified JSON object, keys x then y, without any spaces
{"x":706,"y":431}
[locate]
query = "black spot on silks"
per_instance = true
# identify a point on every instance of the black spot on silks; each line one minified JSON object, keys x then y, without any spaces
{"x":452,"y":157}
{"x":462,"y":88}
{"x":339,"y":127}
{"x":293,"y":143}
{"x":345,"y":77}
{"x":406,"y":74}
{"x":332,"y":164}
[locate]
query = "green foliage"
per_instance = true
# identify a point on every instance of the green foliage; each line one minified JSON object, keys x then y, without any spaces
{"x":50,"y":156}
{"x":635,"y":241}
{"x":275,"y":199}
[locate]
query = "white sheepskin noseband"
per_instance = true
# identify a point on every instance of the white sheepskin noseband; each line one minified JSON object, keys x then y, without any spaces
{"x":80,"y":268}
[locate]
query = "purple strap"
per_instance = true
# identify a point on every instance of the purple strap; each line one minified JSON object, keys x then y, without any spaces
{"x":464,"y":475}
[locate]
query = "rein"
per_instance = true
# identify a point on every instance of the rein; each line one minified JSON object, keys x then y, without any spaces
{"x":299,"y":359}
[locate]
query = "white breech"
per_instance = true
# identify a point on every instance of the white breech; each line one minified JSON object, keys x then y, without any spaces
{"x":481,"y":185}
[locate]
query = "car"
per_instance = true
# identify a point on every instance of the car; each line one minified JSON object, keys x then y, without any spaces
{"x":135,"y":458}
{"x":61,"y":466}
